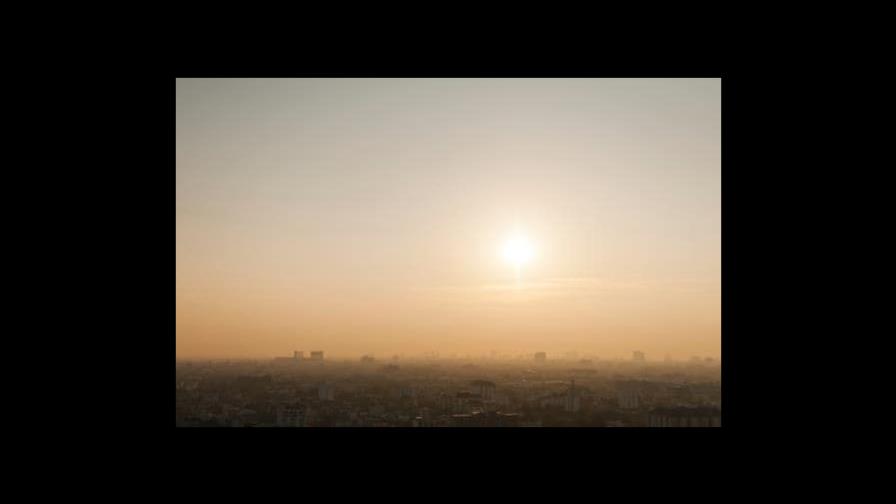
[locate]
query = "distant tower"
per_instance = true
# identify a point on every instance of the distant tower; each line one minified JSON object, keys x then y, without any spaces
{"x":298,"y":355}
{"x":638,"y":356}
{"x":317,"y":355}
{"x":541,"y":357}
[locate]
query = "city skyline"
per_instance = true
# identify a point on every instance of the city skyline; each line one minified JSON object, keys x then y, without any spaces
{"x":567,"y":355}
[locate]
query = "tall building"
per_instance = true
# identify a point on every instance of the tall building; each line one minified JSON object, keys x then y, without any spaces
{"x":298,"y":355}
{"x":573,"y":402}
{"x":325,"y":392}
{"x":638,"y":356}
{"x":317,"y":355}
{"x":484,"y":388}
{"x":540,"y":357}
{"x":628,"y":398}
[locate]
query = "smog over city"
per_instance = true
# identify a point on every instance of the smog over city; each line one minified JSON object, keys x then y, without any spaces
{"x":415,"y":252}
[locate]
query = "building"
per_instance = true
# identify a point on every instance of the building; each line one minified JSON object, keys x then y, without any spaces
{"x":485,"y":389}
{"x":317,"y":355}
{"x":245,"y":418}
{"x":638,"y":356}
{"x":628,"y":398}
{"x":367,"y":358}
{"x":463,"y":420}
{"x":325,"y":392}
{"x":445,"y":402}
{"x":573,"y":401}
{"x":508,"y":420}
{"x":291,"y":416}
{"x":487,"y":419}
{"x":298,"y":355}
{"x":557,"y":400}
{"x":466,"y":402}
{"x":541,"y":357}
{"x":685,"y":417}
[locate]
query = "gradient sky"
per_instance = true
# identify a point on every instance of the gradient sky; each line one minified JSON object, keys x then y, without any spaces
{"x":368,"y":215}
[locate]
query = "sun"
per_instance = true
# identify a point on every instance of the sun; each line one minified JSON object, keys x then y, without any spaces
{"x":518,"y":250}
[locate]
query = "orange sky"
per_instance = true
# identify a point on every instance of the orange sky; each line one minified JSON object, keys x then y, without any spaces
{"x":368,"y":216}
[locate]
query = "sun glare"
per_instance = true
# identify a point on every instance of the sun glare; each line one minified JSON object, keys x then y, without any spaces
{"x":518,"y":250}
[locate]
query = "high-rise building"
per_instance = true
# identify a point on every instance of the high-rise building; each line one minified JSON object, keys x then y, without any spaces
{"x":485,"y":389}
{"x":325,"y":392}
{"x":298,"y":355}
{"x":573,"y":402}
{"x":317,"y":355}
{"x":628,"y":399}
{"x":540,"y":357}
{"x":638,"y":356}
{"x":628,"y":394}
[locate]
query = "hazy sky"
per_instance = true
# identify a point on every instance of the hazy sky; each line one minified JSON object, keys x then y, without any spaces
{"x":368,"y":216}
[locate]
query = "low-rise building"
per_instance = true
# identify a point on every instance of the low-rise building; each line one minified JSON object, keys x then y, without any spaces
{"x":685,"y":417}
